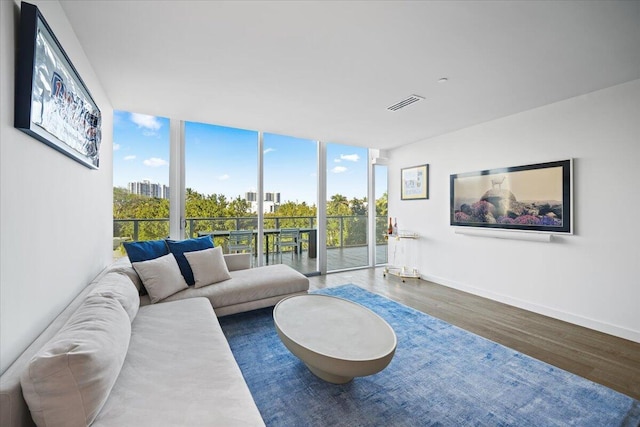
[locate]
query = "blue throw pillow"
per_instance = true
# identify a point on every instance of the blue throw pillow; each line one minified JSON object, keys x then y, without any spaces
{"x":179,"y":247}
{"x":145,"y":251}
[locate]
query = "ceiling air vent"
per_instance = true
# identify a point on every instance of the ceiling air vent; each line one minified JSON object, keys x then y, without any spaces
{"x":408,"y":101}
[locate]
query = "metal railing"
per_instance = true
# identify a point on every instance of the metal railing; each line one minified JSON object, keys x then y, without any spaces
{"x":342,"y":230}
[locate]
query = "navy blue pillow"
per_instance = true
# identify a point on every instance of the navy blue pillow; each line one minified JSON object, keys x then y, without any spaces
{"x":145,"y":251}
{"x":179,"y":247}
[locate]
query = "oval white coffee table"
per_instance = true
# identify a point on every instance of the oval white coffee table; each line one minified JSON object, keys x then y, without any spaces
{"x":337,"y":339}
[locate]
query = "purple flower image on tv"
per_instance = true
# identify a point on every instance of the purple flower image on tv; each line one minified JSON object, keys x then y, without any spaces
{"x":527,"y":219}
{"x":462,"y":217}
{"x":481,"y":209}
{"x":547,"y":220}
{"x":505,"y":220}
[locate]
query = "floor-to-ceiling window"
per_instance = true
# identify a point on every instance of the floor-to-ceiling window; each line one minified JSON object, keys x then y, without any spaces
{"x":347,"y":207}
{"x":140,"y":178}
{"x":229,"y":185}
{"x":381,"y":226}
{"x":290,"y":199}
{"x":220,"y":180}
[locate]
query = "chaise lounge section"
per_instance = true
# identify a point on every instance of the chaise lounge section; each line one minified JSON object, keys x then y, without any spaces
{"x":247,"y":289}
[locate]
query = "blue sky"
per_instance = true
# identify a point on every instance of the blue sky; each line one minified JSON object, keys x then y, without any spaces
{"x":224,"y":160}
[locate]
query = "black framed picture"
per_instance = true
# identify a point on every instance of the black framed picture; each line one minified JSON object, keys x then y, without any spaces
{"x":536,"y":197}
{"x":414,"y":183}
{"x":52,"y":103}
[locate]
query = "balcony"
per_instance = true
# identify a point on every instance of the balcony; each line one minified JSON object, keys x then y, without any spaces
{"x":347,"y":241}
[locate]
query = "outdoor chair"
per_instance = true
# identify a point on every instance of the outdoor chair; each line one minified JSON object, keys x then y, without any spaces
{"x":287,"y":238}
{"x":240,"y":241}
{"x":302,"y":239}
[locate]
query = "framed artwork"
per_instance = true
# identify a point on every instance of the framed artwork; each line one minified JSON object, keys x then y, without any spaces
{"x":415,"y":183}
{"x":52,"y":103}
{"x":535,"y":197}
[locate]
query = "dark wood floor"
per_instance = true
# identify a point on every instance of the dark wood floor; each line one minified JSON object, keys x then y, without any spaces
{"x":604,"y":359}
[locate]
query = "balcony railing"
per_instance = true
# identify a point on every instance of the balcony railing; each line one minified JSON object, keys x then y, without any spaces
{"x":342,"y":231}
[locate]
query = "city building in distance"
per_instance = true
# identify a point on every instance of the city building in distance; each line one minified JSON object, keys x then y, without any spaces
{"x":149,"y":189}
{"x":269,"y":205}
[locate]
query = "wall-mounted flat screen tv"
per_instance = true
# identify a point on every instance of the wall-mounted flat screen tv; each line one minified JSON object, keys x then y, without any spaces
{"x":536,"y":197}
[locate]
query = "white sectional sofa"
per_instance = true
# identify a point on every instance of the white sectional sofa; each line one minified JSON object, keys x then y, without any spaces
{"x":112,"y":358}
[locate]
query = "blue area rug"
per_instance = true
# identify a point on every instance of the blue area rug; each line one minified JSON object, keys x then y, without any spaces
{"x":440,"y":375}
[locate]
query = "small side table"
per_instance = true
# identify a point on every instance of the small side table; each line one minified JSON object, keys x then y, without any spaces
{"x":401,"y":270}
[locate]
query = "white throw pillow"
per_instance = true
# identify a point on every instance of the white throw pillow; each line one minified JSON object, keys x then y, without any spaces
{"x":208,"y":266}
{"x":68,"y":381}
{"x":161,"y":277}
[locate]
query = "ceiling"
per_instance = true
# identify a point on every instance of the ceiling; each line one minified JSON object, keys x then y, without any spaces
{"x":328,"y":70}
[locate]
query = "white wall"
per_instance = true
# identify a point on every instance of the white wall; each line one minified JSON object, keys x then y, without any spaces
{"x":591,"y":278}
{"x":55,"y":214}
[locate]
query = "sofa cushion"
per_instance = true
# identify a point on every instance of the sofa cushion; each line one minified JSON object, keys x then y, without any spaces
{"x":179,"y":247}
{"x":119,"y":286}
{"x":144,"y":251}
{"x":161,"y":277}
{"x":179,"y":371}
{"x":208,"y":266}
{"x":123,"y":265}
{"x":68,"y":381}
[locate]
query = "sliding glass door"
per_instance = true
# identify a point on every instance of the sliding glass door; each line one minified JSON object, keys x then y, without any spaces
{"x":220,"y":176}
{"x":382,"y":224}
{"x":347,"y":207}
{"x":290,"y":198}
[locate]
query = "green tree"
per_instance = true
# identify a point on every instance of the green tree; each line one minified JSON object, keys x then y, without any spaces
{"x":215,"y":212}
{"x":382,"y":205}
{"x":347,"y":219}
{"x":154,"y":212}
{"x":299,"y":213}
{"x":338,"y":205}
{"x":356,"y":226}
{"x":381,"y":218}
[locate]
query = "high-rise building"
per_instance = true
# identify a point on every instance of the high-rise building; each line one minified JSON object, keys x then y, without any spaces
{"x":270,"y":203}
{"x":149,"y":189}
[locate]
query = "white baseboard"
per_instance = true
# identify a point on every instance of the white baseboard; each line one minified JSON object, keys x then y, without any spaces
{"x":540,"y":309}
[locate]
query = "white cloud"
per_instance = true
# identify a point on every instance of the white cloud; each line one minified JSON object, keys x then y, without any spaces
{"x":350,"y":157}
{"x":339,"y":169}
{"x":269,"y":150}
{"x":224,"y":177}
{"x":145,"y":121}
{"x":155,"y":162}
{"x":132,"y":157}
{"x":336,"y":160}
{"x":116,"y":147}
